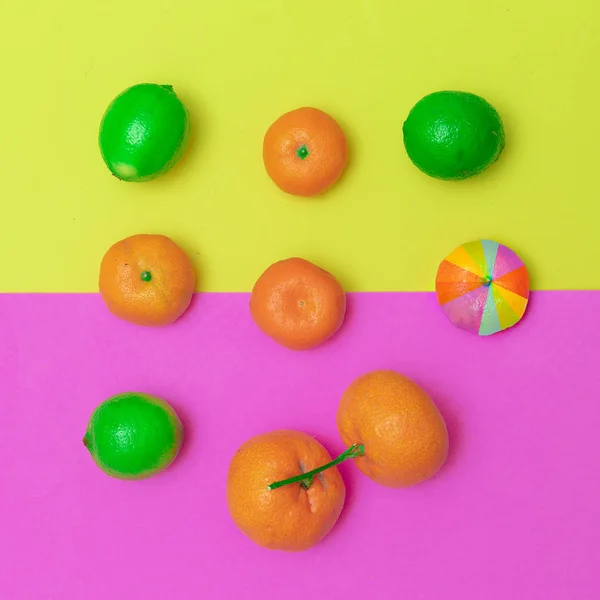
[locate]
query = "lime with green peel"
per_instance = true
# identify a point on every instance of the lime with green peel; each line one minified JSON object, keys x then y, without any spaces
{"x":133,"y":435}
{"x":144,"y":132}
{"x":453,"y":135}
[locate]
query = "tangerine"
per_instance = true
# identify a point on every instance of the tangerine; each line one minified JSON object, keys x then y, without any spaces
{"x":147,"y":280}
{"x":305,"y":152}
{"x":402,"y":432}
{"x":292,"y":517}
{"x":298,"y":304}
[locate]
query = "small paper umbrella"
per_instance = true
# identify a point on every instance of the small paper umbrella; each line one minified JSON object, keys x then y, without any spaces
{"x":483,"y":287}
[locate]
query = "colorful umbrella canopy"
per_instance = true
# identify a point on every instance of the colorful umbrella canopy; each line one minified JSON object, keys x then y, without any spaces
{"x":483,"y":287}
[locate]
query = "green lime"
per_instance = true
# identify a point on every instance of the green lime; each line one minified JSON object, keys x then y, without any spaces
{"x":133,"y":436}
{"x":453,"y":135}
{"x":144,"y":132}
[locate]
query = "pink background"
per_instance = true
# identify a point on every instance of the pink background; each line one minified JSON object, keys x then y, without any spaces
{"x":513,"y":515}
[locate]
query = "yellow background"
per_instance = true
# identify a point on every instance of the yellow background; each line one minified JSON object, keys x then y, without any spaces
{"x":238,"y":65}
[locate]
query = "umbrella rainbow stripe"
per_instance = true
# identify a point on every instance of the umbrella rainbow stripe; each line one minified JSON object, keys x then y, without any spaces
{"x":483,"y":287}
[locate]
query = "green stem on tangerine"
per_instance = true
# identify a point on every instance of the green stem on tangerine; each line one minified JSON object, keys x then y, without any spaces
{"x":302,"y":152}
{"x":306,"y":479}
{"x":146,"y":276}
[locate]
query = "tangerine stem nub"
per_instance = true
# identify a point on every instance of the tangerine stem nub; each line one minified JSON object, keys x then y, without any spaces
{"x":302,"y":152}
{"x":146,"y":276}
{"x":306,"y":479}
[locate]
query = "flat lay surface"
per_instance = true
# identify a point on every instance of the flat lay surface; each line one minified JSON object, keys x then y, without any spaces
{"x":513,"y":514}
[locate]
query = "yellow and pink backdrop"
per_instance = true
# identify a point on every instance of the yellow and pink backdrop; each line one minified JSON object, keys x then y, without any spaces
{"x":514,"y":512}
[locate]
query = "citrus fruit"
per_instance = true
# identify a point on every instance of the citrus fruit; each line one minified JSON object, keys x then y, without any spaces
{"x":483,"y":287}
{"x":147,"y":280}
{"x":144,"y":132}
{"x":293,"y":517}
{"x":305,"y":152}
{"x":453,"y":135}
{"x":133,"y":435}
{"x":298,"y":304}
{"x":403,"y":434}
